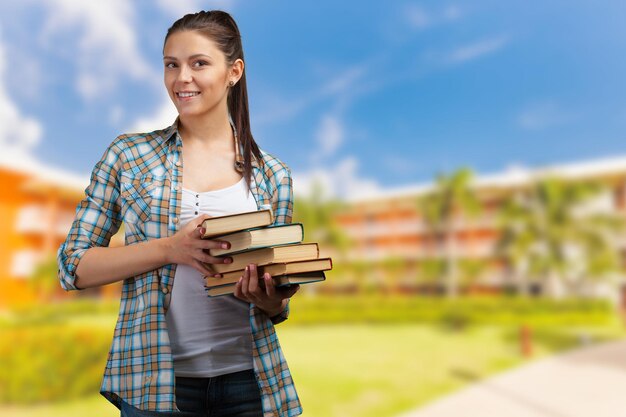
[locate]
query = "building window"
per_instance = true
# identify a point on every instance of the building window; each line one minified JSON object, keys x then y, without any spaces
{"x":24,"y":263}
{"x":30,"y":218}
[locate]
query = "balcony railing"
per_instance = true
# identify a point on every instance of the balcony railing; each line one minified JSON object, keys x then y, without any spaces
{"x":39,"y":220}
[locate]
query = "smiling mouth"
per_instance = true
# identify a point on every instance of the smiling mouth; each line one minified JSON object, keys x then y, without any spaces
{"x":187,"y":94}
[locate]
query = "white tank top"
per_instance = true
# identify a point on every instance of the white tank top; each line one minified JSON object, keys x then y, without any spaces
{"x":209,"y":336}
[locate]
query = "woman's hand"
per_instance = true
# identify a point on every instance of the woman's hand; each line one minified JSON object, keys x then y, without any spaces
{"x":187,"y":247}
{"x":267,"y":297}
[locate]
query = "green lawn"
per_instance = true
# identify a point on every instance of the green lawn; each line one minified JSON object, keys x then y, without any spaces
{"x":383,"y":370}
{"x":372,"y":370}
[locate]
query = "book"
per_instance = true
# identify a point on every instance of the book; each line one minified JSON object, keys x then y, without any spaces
{"x":260,"y":237}
{"x":279,"y":281}
{"x":230,"y":223}
{"x":221,"y":290}
{"x":297,"y":279}
{"x":264,"y":256}
{"x":285,"y":268}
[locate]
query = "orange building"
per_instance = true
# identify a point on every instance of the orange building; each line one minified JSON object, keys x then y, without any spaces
{"x":388,"y":225}
{"x":37,"y":205}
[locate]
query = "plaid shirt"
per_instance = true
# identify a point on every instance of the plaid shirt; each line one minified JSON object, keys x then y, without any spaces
{"x":138,"y":181}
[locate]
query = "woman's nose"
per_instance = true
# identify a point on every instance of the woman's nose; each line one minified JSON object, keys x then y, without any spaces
{"x":184,"y":74}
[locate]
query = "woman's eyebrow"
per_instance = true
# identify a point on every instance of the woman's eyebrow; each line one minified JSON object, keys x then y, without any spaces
{"x":191,"y":57}
{"x":200,"y":56}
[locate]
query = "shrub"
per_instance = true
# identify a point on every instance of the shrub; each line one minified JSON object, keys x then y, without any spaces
{"x":454,"y":313}
{"x":51,"y":362}
{"x":44,"y":357}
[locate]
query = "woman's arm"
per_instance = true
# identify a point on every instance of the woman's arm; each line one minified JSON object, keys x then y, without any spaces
{"x":103,"y":265}
{"x":85,"y":252}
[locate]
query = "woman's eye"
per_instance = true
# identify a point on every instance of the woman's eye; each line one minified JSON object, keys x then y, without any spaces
{"x":170,"y":65}
{"x":200,"y":63}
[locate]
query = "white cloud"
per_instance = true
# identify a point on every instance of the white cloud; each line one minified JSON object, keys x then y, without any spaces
{"x":477,"y":49}
{"x":340,"y":182}
{"x":163,"y":116}
{"x":543,"y":114}
{"x":179,"y":8}
{"x":18,"y":133}
{"x":330,"y":135}
{"x":107,"y":47}
{"x":419,"y":18}
{"x":452,"y":12}
{"x":116,"y":114}
{"x":344,"y":81}
{"x":399,"y":164}
{"x":340,"y":87}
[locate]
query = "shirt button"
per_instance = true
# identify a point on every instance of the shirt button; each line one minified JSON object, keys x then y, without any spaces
{"x":179,"y":187}
{"x":178,"y":163}
{"x":175,"y":220}
{"x":164,"y":290}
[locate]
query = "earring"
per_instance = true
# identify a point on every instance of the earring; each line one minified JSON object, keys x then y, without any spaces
{"x":231,"y":83}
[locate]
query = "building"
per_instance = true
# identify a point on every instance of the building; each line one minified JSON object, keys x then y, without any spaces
{"x":387,"y":230}
{"x":37,"y":205}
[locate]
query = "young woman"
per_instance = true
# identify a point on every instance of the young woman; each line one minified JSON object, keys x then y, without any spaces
{"x":176,"y":351}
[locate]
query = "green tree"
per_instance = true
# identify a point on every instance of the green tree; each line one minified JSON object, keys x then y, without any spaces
{"x":43,"y":280}
{"x":316,"y":213}
{"x":548,"y":233}
{"x":451,"y":200}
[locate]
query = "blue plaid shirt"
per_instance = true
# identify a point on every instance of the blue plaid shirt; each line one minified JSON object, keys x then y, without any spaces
{"x":138,"y":182}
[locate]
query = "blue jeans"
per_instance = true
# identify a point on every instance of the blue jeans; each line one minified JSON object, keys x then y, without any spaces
{"x":235,"y":394}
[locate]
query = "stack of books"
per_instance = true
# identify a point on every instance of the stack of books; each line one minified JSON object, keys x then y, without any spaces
{"x":278,"y":250}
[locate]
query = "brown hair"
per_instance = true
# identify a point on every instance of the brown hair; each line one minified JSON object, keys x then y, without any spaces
{"x":221,"y":28}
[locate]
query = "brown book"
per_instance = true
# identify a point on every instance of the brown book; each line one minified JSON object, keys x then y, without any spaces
{"x":264,"y":256}
{"x":260,"y":237}
{"x":222,"y":225}
{"x":221,"y":290}
{"x":286,"y":268}
{"x":279,"y":281}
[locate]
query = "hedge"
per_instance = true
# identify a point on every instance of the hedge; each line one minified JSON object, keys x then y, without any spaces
{"x":44,"y":357}
{"x":51,"y":362}
{"x":463,"y":311}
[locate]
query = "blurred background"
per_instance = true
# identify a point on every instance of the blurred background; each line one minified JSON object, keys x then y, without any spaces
{"x":462,"y":162}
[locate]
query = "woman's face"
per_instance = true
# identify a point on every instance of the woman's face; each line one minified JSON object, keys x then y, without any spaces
{"x":196,"y":74}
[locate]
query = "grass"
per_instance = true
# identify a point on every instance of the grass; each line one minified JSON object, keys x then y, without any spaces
{"x":367,"y":370}
{"x":376,"y":370}
{"x":95,"y":405}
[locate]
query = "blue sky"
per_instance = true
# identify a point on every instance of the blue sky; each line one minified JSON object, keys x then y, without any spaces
{"x":362,"y":95}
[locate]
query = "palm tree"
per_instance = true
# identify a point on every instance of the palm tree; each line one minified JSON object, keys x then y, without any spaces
{"x":316,"y":213}
{"x":546,"y":233}
{"x":451,"y":198}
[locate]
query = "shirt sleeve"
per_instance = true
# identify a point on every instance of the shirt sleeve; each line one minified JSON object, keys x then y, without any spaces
{"x":97,"y":217}
{"x":283,"y":199}
{"x":283,"y":215}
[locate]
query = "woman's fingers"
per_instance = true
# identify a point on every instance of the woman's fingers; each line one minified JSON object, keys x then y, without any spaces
{"x":270,"y":289}
{"x":208,"y":259}
{"x":214,"y":244}
{"x":204,"y":269}
{"x":253,"y":279}
{"x":245,"y":280}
